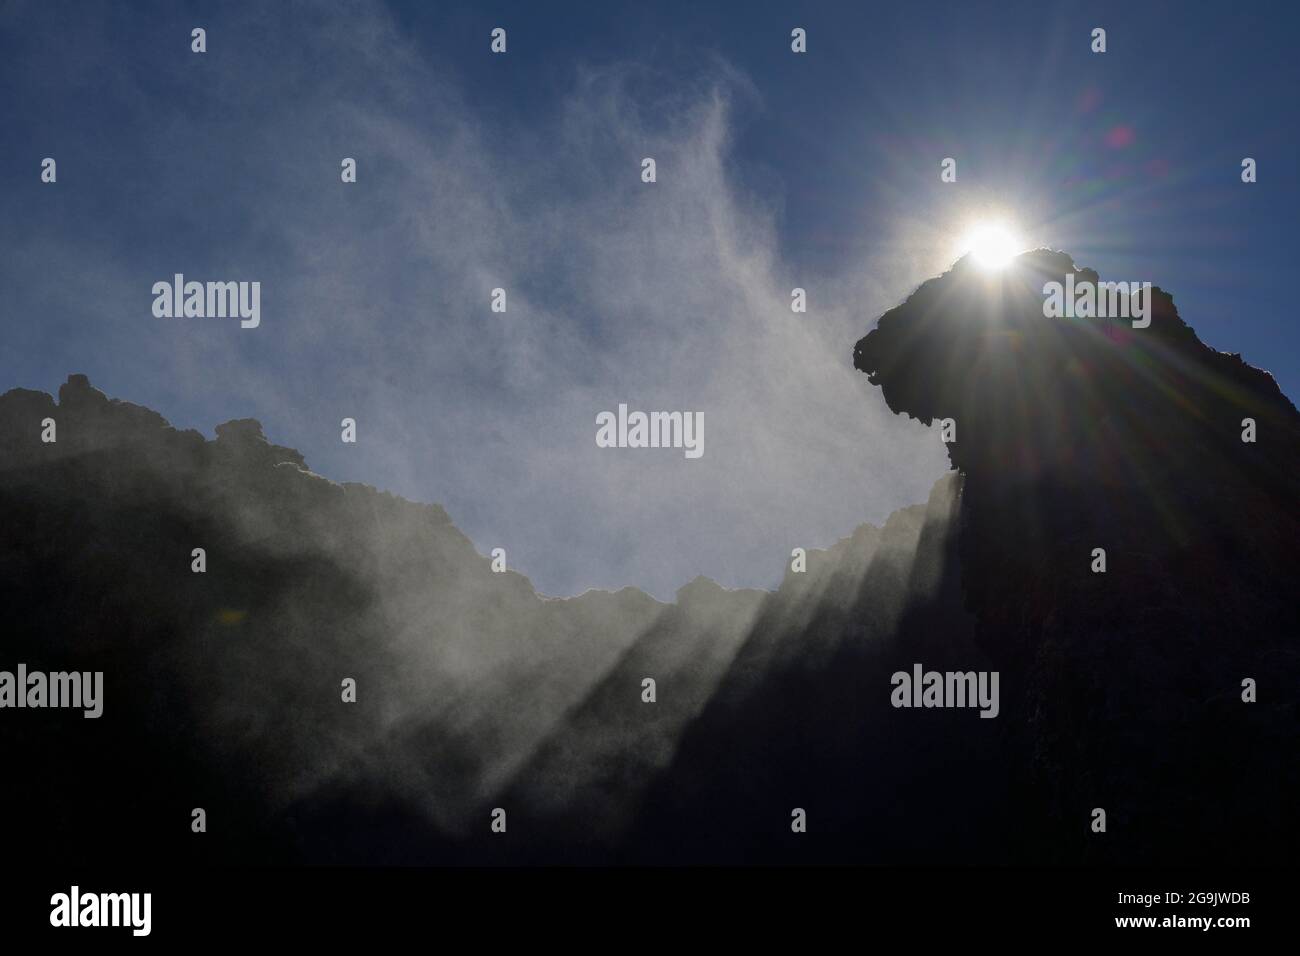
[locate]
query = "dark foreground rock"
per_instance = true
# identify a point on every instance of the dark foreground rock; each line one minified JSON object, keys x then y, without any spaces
{"x":1119,"y":690}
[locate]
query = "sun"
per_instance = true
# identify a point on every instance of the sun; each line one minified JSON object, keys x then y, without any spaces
{"x":992,"y":245}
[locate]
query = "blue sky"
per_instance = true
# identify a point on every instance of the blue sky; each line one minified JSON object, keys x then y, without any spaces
{"x":522,"y":171}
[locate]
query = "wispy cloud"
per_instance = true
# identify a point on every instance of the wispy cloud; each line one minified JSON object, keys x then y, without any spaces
{"x":375,"y":306}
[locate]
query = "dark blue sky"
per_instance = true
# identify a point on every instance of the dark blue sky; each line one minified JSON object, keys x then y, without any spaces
{"x":522,"y":171}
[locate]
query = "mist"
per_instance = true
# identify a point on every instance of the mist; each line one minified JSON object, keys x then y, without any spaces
{"x":671,"y":295}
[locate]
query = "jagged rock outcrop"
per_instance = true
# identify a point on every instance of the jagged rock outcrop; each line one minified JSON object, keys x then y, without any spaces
{"x":1075,"y":434}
